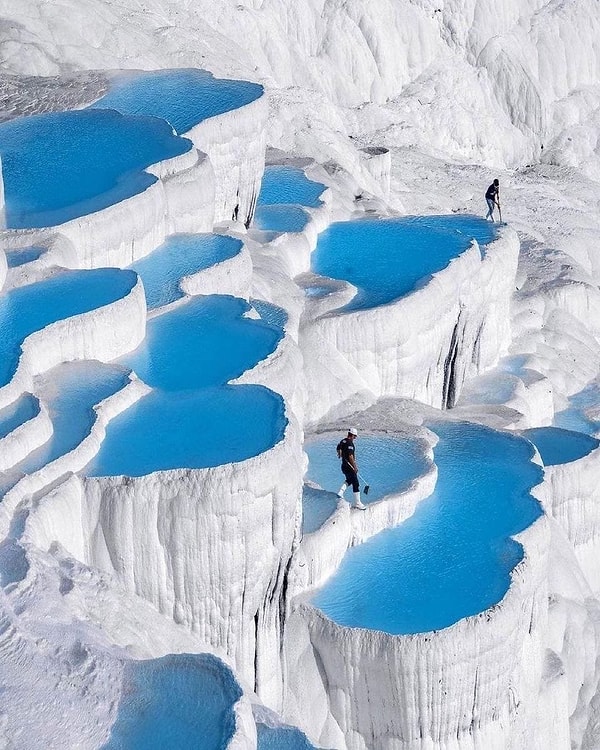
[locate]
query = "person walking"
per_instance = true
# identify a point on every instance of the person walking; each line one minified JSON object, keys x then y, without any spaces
{"x":347,"y":452}
{"x":492,"y":196}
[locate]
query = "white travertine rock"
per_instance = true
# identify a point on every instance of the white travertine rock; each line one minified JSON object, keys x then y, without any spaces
{"x":28,"y":436}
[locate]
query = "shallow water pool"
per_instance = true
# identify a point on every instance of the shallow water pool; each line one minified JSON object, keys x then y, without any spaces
{"x":62,"y":165}
{"x":557,"y":446}
{"x":180,"y":256}
{"x":22,"y":410}
{"x":281,"y":738}
{"x":289,"y":185}
{"x":178,"y":701}
{"x":575,"y":416}
{"x":183,"y":97}
{"x":30,"y":308}
{"x":388,"y":258}
{"x":453,"y":557}
{"x":15,"y":258}
{"x":191,"y":429}
{"x":205,"y":342}
{"x":280,"y":218}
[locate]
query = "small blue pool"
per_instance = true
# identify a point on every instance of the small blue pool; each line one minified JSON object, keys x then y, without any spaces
{"x":183,"y":97}
{"x":574,"y":417}
{"x":557,"y":446}
{"x":177,"y":701}
{"x":388,"y":258}
{"x":15,"y":258}
{"x":22,"y":410}
{"x":280,"y":218}
{"x":289,"y":185}
{"x":388,"y":464}
{"x":188,"y":356}
{"x":453,"y":558}
{"x":63,"y":165}
{"x":273,"y":314}
{"x":180,"y":256}
{"x":30,"y":308}
{"x":282,"y":738}
{"x":78,"y":387}
{"x":205,"y":342}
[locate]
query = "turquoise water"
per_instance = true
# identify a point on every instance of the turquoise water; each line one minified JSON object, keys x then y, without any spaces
{"x":574,"y":416}
{"x":23,"y":255}
{"x":388,"y":258}
{"x":192,"y":419}
{"x":388,"y":465}
{"x":281,"y":218}
{"x":282,"y":738}
{"x":177,"y":702}
{"x":180,"y":256}
{"x":30,"y":308}
{"x":183,"y":97}
{"x":192,"y":430}
{"x":22,"y":410}
{"x":63,"y":165}
{"x":453,"y":557}
{"x":281,"y":184}
{"x":78,"y":387}
{"x":205,"y":342}
{"x":557,"y":446}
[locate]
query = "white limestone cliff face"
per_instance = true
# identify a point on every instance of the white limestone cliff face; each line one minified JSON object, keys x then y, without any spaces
{"x":422,"y":346}
{"x":229,"y":590}
{"x":235,"y":142}
{"x":570,"y":496}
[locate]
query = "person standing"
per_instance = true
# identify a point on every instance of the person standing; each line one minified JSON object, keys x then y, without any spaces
{"x":492,"y":197}
{"x":347,"y":452}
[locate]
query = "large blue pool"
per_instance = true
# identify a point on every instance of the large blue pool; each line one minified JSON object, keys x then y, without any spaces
{"x":454,"y":556}
{"x":388,"y":464}
{"x":183,"y":97}
{"x":180,"y":256}
{"x":188,"y":356}
{"x":78,"y":387}
{"x":63,"y":165}
{"x":288,"y":185}
{"x":388,"y":258}
{"x":557,"y":446}
{"x":177,"y":701}
{"x":30,"y":308}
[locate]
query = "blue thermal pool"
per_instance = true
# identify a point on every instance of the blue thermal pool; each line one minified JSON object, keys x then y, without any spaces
{"x":183,"y":97}
{"x":210,"y":427}
{"x":281,"y":738}
{"x":574,"y":417}
{"x":388,"y":258}
{"x":188,"y":356}
{"x":557,"y":446}
{"x":30,"y":308}
{"x":180,"y":256}
{"x":388,"y":464}
{"x":288,"y":185}
{"x":206,"y":341}
{"x":177,"y":701}
{"x":280,"y":218}
{"x":22,"y":410}
{"x":63,"y":165}
{"x":23,"y":255}
{"x":77,"y":388}
{"x":453,"y":558}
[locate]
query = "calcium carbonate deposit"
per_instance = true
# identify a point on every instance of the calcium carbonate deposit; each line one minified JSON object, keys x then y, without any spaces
{"x":299,"y":430}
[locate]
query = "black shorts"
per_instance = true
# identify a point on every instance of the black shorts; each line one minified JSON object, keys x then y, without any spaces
{"x":351,"y":477}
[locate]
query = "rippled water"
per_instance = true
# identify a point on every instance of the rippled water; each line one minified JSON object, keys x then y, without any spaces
{"x":557,"y":446}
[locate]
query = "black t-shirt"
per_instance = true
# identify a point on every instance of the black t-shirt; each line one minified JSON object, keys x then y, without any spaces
{"x":346,"y":448}
{"x":492,"y":192}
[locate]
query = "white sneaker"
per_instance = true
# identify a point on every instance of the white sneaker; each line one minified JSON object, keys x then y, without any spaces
{"x":359,"y":506}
